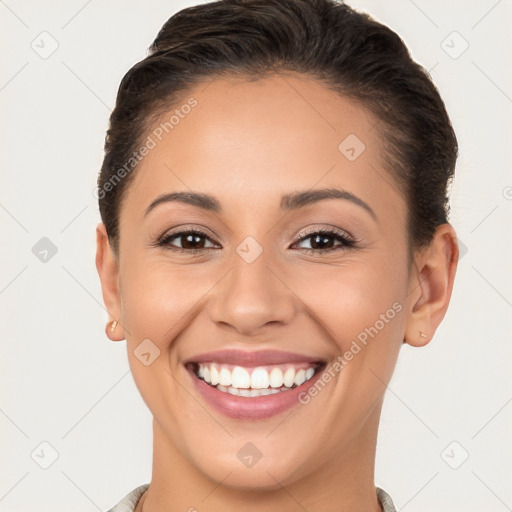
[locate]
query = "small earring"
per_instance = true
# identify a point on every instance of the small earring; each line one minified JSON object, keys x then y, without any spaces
{"x":114,"y":325}
{"x":422,"y":334}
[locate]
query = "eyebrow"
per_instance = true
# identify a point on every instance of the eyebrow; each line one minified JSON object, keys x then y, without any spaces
{"x":289,"y":202}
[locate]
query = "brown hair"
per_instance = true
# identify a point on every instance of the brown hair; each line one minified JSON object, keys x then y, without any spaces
{"x":326,"y":40}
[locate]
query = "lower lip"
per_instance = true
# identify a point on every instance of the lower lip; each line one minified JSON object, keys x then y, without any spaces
{"x":252,"y":408}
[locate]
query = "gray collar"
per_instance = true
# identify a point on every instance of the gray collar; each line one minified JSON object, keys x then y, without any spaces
{"x":129,"y":502}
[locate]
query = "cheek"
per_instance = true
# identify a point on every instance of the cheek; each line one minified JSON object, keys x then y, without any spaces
{"x":360,"y":307}
{"x":350,"y":299}
{"x":160,"y":299}
{"x":158,"y":302}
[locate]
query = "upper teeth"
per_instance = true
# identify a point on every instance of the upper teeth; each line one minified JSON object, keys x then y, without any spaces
{"x":259,"y":378}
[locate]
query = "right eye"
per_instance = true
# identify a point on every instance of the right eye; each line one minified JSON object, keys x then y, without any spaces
{"x":191,"y":241}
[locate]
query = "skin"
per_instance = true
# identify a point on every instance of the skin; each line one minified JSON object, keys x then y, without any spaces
{"x":247,"y":144}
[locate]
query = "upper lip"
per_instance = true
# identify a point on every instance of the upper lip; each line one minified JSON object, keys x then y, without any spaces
{"x":252,"y":358}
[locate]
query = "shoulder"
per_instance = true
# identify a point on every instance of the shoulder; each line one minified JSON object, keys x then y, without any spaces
{"x":129,"y":502}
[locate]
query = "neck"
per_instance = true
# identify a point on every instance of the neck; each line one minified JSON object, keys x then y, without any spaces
{"x":345,"y":482}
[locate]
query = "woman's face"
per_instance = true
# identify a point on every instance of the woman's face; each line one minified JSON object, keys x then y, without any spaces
{"x":254,"y":285}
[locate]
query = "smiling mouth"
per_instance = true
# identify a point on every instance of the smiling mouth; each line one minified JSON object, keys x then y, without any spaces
{"x":255,"y":381}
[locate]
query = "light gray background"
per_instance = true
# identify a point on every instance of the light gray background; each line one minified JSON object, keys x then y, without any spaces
{"x":64,"y":383}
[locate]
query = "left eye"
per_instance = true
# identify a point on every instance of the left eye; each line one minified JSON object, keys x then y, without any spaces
{"x":320,"y":241}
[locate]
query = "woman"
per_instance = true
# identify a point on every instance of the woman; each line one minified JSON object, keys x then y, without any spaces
{"x":275,"y":227}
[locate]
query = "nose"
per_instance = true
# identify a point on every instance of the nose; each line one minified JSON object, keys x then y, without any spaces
{"x":252,"y":296}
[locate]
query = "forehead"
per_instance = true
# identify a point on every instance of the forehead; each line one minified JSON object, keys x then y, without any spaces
{"x":247,"y":140}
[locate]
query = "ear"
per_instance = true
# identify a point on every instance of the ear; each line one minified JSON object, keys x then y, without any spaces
{"x":430,"y":286}
{"x":108,"y":271}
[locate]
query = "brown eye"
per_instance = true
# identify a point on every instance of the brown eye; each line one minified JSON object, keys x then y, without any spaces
{"x":191,"y":241}
{"x":323,"y":241}
{"x":194,"y":241}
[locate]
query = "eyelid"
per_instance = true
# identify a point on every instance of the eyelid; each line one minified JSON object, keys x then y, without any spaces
{"x":346,"y":240}
{"x":317,"y":229}
{"x":186,"y":228}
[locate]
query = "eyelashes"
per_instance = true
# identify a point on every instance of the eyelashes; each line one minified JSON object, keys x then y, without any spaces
{"x":190,"y":237}
{"x":320,"y":235}
{"x":191,"y":234}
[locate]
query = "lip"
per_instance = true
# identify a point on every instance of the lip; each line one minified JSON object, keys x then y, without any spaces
{"x":252,"y":408}
{"x":252,"y":358}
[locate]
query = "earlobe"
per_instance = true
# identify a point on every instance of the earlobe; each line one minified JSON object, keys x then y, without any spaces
{"x":108,"y":271}
{"x":430,"y":286}
{"x":114,"y":331}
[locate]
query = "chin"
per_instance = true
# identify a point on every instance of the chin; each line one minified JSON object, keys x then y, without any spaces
{"x":265,"y":474}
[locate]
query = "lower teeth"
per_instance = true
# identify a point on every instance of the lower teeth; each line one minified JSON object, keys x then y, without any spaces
{"x":251,"y":392}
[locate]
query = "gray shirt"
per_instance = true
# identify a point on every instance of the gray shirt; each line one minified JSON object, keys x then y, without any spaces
{"x":129,"y":502}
